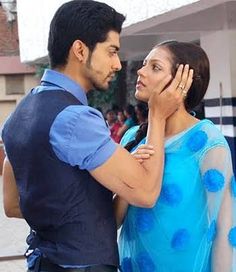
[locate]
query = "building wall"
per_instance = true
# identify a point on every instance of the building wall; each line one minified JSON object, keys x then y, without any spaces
{"x":9,"y":102}
{"x":6,"y":108}
{"x":220,"y":100}
{"x":12,"y":71}
{"x":9,"y":43}
{"x":30,"y":81}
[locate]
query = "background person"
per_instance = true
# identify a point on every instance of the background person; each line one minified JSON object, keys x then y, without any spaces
{"x":130,"y":121}
{"x":141,"y":111}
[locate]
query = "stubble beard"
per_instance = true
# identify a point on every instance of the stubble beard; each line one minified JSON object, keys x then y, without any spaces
{"x":94,"y":82}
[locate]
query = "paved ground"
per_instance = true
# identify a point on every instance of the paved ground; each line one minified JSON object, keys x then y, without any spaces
{"x":12,"y":266}
{"x":12,"y":240}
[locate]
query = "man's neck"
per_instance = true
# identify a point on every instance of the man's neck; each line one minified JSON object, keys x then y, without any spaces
{"x":76,"y":76}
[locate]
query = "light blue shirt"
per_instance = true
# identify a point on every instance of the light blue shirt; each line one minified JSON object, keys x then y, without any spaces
{"x":78,"y":135}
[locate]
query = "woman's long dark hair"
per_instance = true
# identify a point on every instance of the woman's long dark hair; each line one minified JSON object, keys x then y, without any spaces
{"x":183,"y":53}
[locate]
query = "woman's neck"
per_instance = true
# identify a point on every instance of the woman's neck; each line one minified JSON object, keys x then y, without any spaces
{"x":178,"y":122}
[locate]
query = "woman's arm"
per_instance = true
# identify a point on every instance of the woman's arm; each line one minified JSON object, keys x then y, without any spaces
{"x":10,"y":192}
{"x":221,"y":203}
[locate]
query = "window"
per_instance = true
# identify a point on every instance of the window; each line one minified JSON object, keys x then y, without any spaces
{"x":14,"y":84}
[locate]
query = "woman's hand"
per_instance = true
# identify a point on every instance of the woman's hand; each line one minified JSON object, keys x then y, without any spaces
{"x":170,"y":92}
{"x":143,"y":152}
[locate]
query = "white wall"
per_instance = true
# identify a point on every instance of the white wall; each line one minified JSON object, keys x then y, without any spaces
{"x":220,"y":48}
{"x":34,"y":17}
{"x":216,"y":45}
{"x":33,"y":24}
{"x":139,"y":10}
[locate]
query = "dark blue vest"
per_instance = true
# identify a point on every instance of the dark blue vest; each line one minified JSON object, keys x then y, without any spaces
{"x":71,"y":213}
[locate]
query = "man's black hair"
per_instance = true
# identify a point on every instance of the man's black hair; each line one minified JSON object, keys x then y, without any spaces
{"x":85,"y":20}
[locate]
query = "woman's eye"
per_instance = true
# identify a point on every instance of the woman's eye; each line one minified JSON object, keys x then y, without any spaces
{"x":156,"y":68}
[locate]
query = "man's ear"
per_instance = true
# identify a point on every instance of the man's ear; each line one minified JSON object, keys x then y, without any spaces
{"x":80,"y":50}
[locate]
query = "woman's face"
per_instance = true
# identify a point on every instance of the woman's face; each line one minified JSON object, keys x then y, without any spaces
{"x":110,"y":116}
{"x":155,"y":67}
{"x":121,"y":116}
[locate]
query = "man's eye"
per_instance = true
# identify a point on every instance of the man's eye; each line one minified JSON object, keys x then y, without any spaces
{"x":112,"y":53}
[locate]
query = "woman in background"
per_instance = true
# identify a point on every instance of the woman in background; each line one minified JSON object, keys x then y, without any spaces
{"x":131,"y":120}
{"x":141,"y":110}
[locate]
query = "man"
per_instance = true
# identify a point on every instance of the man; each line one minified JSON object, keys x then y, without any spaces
{"x":65,"y":164}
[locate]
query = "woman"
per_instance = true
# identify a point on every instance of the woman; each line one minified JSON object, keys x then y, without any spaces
{"x":131,"y":120}
{"x":141,"y":110}
{"x":118,"y":124}
{"x":192,"y":227}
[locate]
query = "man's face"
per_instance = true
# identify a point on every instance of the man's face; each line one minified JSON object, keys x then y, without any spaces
{"x":103,"y":62}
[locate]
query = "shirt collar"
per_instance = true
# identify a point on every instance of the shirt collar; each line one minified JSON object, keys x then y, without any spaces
{"x":52,"y":77}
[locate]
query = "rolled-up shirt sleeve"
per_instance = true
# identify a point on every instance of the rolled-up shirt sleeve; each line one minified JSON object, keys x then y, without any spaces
{"x":79,"y":136}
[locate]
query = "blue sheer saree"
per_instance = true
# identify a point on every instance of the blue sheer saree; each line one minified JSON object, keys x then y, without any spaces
{"x":192,"y":227}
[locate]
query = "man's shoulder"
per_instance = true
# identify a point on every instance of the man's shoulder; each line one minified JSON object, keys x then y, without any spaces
{"x":81,"y":111}
{"x":75,"y":117}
